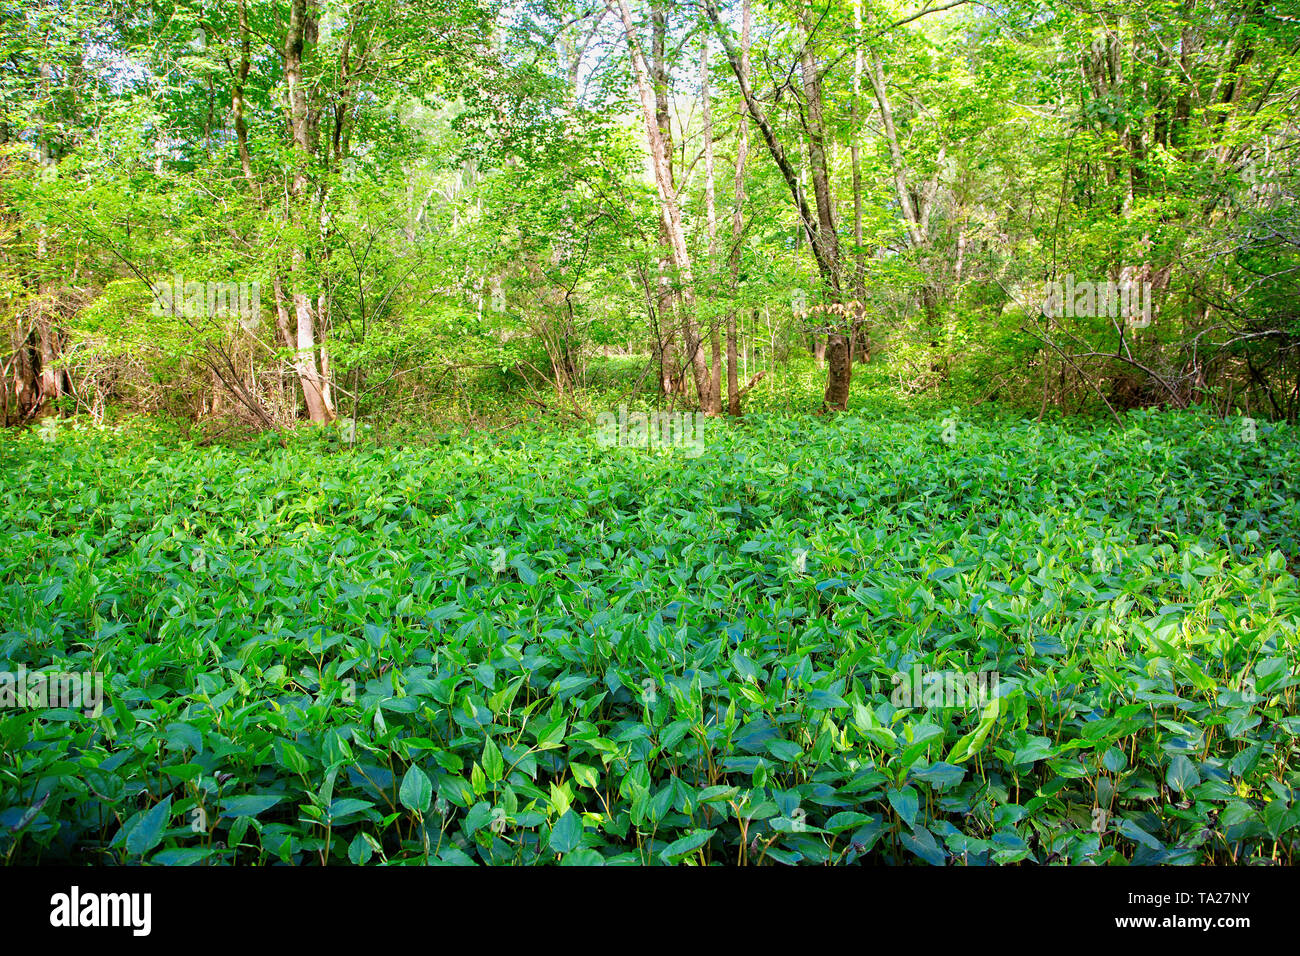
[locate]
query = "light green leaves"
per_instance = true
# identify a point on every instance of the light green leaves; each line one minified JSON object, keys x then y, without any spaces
{"x":678,"y":849}
{"x":493,"y":765}
{"x":969,"y":745}
{"x":550,"y":735}
{"x":373,"y":692}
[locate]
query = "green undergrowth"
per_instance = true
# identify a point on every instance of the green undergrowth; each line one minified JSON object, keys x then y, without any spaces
{"x":525,"y":647}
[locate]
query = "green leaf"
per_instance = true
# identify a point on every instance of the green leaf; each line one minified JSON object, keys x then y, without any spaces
{"x":585,"y":775}
{"x":552,"y":735}
{"x":149,"y":829}
{"x":905,"y":802}
{"x":248,"y":805}
{"x":182,"y":856}
{"x":416,"y":792}
{"x":493,"y":764}
{"x":566,"y":834}
{"x":921,"y":842}
{"x":359,"y":850}
{"x":674,"y":852}
{"x":1182,"y":774}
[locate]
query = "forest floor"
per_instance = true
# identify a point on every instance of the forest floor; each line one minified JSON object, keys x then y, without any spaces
{"x":939,"y":637}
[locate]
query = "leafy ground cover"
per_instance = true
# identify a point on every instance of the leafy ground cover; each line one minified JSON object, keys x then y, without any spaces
{"x":529,"y":648}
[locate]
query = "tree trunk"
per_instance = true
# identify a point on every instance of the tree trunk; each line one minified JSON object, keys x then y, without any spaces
{"x":315,"y":387}
{"x":714,"y":405}
{"x":237,"y":97}
{"x":737,"y":216}
{"x":670,"y":212}
{"x":673,"y":382}
{"x":825,"y":254}
{"x":859,"y":343}
{"x":839,"y":369}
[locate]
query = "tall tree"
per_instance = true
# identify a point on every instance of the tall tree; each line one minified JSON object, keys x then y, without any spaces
{"x":825,"y":246}
{"x":670,"y":212}
{"x":738,"y":213}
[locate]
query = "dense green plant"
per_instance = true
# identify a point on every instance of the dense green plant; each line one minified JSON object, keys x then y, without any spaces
{"x":525,"y":647}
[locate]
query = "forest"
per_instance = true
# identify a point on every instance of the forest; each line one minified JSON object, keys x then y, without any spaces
{"x":704,"y":432}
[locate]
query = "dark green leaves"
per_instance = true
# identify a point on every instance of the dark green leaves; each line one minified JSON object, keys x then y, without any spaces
{"x":1182,"y":774}
{"x":147,"y":831}
{"x":248,"y":806}
{"x":416,"y":792}
{"x":905,"y":804}
{"x":566,"y":834}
